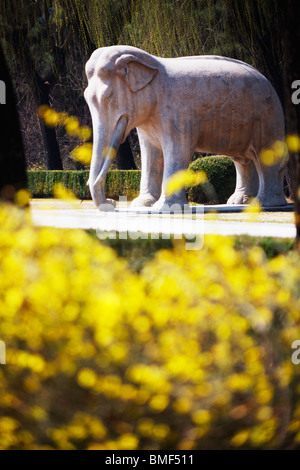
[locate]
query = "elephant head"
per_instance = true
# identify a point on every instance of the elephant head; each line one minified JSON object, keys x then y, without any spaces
{"x":120,"y":97}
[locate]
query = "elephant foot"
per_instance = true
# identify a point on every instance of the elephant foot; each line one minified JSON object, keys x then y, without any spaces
{"x":143,"y":201}
{"x":107,"y":206}
{"x":170,"y":205}
{"x":238,"y":197}
{"x":272,"y":200}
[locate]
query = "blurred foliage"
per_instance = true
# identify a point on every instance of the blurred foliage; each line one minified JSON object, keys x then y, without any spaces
{"x":271,"y":246}
{"x":192,"y":353}
{"x":140,"y":251}
{"x":184,"y":178}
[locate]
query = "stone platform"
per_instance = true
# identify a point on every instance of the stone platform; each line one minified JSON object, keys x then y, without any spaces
{"x":202,"y":220}
{"x":205,"y":209}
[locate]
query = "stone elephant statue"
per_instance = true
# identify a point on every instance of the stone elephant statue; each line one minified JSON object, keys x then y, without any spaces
{"x":206,"y":104}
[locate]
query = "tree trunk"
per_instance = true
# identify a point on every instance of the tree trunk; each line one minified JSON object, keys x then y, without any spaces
{"x":291,"y":15}
{"x":125,"y":160}
{"x":41,"y":90}
{"x":12,"y":158}
{"x":53,"y":157}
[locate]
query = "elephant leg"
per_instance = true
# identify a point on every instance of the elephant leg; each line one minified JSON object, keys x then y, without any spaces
{"x":270,"y":193}
{"x":176,"y":158}
{"x":152,"y":172}
{"x":246,"y":181}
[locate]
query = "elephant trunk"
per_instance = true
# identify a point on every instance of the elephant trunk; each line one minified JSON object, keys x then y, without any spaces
{"x":111,"y":151}
{"x":101,"y":160}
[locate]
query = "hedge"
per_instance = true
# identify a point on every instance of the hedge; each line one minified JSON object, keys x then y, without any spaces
{"x":219,"y":170}
{"x":118,"y":182}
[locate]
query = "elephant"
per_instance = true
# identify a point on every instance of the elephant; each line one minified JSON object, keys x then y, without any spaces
{"x":210,"y":104}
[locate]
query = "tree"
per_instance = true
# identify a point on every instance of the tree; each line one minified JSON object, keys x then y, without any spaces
{"x":270,"y":31}
{"x":290,"y":11}
{"x":94,"y":33}
{"x":258,"y":26}
{"x":22,"y":22}
{"x":42,"y":36}
{"x":12,"y":158}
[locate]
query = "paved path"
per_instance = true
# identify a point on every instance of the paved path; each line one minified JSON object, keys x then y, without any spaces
{"x":73,"y":214}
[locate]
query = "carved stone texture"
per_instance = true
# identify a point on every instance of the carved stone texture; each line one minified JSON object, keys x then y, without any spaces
{"x":206,"y":104}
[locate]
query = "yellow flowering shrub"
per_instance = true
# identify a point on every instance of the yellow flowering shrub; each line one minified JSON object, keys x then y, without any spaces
{"x":192,"y":353}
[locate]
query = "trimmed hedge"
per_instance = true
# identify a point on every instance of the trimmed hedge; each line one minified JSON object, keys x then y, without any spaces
{"x":123,"y":183}
{"x":219,"y":170}
{"x":118,"y":182}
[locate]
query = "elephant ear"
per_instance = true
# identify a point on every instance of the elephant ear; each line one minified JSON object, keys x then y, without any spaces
{"x":135,"y":71}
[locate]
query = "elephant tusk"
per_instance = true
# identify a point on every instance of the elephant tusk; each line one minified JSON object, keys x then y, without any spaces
{"x":111,"y":151}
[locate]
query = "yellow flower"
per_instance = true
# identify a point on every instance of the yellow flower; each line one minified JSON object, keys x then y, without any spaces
{"x":8,"y":424}
{"x":159,"y":402}
{"x":184,"y":178}
{"x":128,"y":441}
{"x":280,"y":148}
{"x":145,"y":426}
{"x":83,"y":153}
{"x":201,"y":417}
{"x":268,"y":157}
{"x":72,"y":126}
{"x":239,"y":382}
{"x":285,"y":373}
{"x":264,"y":413}
{"x":253,"y":210}
{"x":109,"y":153}
{"x":162,"y":357}
{"x":49,"y":116}
{"x":87,"y":378}
{"x":22,"y":197}
{"x":263,"y":433}
{"x":84,"y":133}
{"x":60,"y":192}
{"x":160,"y":431}
{"x":240,"y":438}
{"x":182,"y":405}
{"x":293,"y":143}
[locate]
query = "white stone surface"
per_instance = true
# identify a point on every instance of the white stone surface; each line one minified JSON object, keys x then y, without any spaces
{"x":67,"y":215}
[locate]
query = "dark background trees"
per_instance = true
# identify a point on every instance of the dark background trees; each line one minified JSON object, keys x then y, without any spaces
{"x":12,"y":157}
{"x":259,"y":27}
{"x":47,"y":43}
{"x":290,"y":11}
